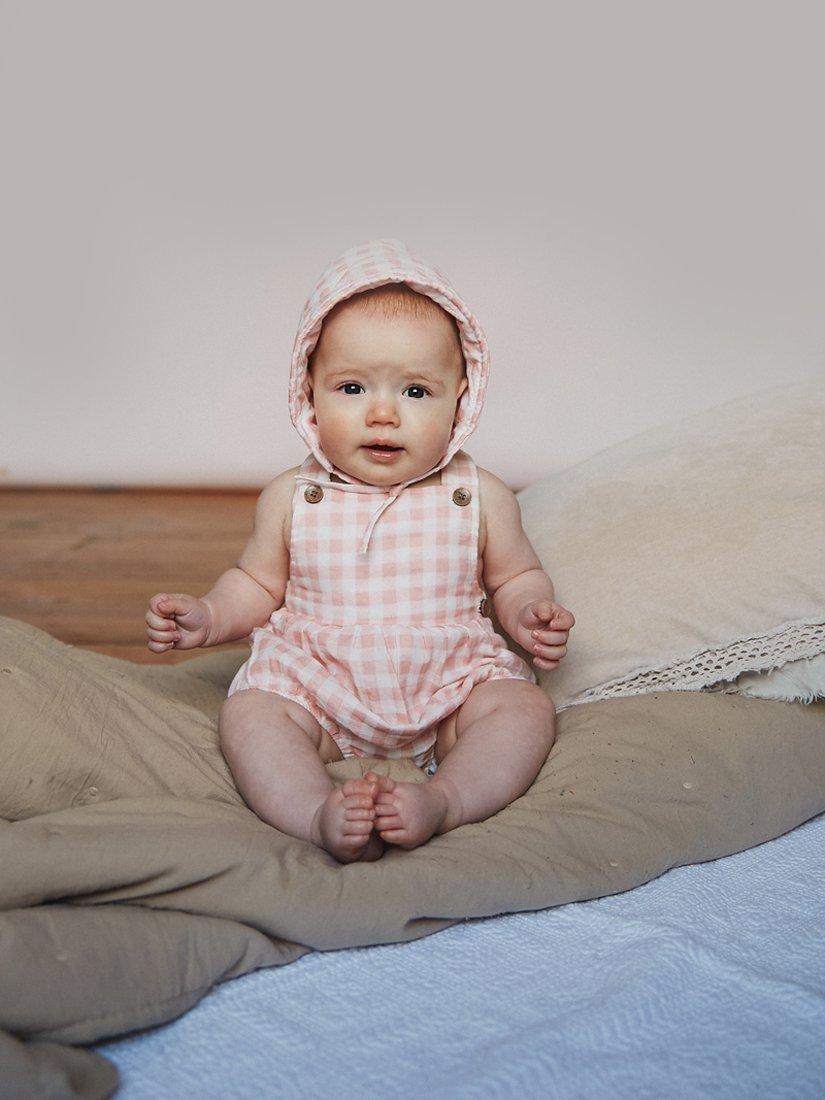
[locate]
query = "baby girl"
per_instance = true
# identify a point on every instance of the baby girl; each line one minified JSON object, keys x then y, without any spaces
{"x":363,"y":583}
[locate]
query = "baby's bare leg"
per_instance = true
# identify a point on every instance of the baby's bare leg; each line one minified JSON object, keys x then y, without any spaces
{"x":504,"y":731}
{"x":271,"y":745}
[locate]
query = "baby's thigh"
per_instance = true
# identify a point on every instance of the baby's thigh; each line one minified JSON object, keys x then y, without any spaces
{"x":253,"y":711}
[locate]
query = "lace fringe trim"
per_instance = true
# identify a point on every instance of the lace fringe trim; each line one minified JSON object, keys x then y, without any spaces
{"x":705,"y":670}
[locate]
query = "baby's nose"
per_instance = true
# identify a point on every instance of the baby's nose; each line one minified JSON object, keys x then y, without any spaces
{"x":383,"y":409}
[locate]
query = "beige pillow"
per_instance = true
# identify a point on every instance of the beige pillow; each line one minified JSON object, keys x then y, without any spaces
{"x":692,"y":554}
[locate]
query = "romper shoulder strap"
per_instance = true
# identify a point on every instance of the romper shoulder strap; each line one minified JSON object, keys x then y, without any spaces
{"x":460,"y":471}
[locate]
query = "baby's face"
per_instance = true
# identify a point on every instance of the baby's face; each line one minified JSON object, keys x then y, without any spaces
{"x":397,"y":380}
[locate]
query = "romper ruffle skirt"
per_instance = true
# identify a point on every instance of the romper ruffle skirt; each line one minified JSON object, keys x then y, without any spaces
{"x":381,"y":646}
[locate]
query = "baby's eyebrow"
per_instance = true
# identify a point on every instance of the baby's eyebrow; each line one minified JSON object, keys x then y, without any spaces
{"x":409,"y":376}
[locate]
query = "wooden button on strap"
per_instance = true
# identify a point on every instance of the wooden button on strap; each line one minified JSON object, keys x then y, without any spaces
{"x":461,"y":497}
{"x":313,"y":493}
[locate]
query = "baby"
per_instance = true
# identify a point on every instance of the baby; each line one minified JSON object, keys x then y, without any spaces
{"x":363,"y":583}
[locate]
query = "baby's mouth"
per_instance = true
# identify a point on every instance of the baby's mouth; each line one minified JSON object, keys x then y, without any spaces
{"x":382,"y":453}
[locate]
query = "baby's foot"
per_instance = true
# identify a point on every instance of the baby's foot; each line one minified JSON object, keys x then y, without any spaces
{"x":410,"y":813}
{"x":343,"y":823}
{"x":378,"y":783}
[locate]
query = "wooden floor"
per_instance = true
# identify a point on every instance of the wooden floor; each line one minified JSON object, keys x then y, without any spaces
{"x":83,"y":564}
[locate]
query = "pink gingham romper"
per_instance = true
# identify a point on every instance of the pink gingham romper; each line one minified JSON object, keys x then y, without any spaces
{"x":381,"y":646}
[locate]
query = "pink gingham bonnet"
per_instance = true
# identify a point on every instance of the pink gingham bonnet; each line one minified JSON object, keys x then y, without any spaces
{"x":362,"y":267}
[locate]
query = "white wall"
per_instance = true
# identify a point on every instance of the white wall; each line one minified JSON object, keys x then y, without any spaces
{"x":629,"y":196}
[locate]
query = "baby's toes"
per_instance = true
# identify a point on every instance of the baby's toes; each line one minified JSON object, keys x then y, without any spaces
{"x":385,"y":804}
{"x":388,"y":825}
{"x":386,"y":798}
{"x":379,"y":783}
{"x":358,"y":807}
{"x":384,"y":785}
{"x":357,"y":787}
{"x":360,"y":800}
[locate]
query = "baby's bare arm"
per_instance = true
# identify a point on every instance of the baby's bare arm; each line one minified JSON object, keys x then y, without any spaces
{"x":246,"y":595}
{"x":513,"y":575}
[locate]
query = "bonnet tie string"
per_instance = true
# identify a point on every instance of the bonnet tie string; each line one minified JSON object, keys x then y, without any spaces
{"x":365,"y":541}
{"x":392,"y":495}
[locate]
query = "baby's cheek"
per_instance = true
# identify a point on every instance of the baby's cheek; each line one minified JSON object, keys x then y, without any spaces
{"x":332,"y":427}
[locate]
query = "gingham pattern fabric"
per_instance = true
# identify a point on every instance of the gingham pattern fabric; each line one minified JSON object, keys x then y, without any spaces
{"x":381,"y":647}
{"x":367,"y":265}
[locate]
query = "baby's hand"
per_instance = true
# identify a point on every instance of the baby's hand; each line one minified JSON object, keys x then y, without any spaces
{"x":535,"y":621}
{"x":176,"y":621}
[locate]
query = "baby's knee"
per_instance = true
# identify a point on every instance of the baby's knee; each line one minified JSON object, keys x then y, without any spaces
{"x":537,"y":703}
{"x":543,"y":714}
{"x":545,"y":702}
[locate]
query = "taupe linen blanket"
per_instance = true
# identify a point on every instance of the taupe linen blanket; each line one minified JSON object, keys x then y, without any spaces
{"x":133,"y":877}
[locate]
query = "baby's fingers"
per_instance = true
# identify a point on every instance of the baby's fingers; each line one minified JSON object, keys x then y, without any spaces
{"x":163,"y":635}
{"x":156,"y":622}
{"x":168,"y":604}
{"x":539,"y":663}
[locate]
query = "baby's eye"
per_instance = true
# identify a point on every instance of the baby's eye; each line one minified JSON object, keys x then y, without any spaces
{"x":358,"y":386}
